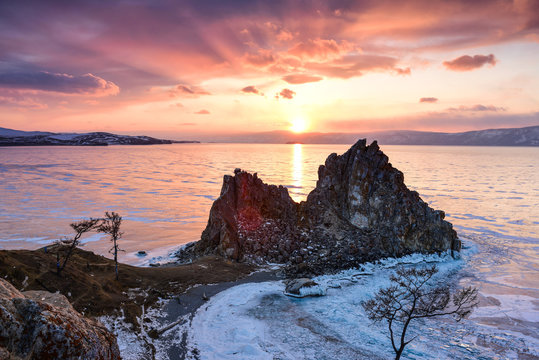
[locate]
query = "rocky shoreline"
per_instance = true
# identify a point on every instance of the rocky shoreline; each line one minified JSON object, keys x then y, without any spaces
{"x":87,"y":290}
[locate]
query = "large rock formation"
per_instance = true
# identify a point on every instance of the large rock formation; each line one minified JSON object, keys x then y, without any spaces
{"x":360,"y":210}
{"x":41,"y":325}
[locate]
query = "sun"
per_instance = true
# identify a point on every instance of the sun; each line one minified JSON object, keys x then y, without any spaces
{"x":298,"y":124}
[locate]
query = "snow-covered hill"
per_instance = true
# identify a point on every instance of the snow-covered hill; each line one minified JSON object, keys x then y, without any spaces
{"x":9,"y":137}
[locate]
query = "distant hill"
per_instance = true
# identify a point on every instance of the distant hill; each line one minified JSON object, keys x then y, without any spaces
{"x":526,"y":136}
{"x":9,"y":137}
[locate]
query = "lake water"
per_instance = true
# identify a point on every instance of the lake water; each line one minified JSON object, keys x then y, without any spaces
{"x":164,"y":193}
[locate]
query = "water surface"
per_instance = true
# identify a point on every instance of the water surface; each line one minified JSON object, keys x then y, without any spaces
{"x":164,"y":193}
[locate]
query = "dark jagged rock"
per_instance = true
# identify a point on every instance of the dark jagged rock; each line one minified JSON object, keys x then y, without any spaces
{"x":42,"y":325}
{"x":360,"y":210}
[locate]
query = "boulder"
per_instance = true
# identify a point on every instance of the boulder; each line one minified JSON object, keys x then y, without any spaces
{"x":360,"y":211}
{"x":300,"y":286}
{"x":41,"y":325}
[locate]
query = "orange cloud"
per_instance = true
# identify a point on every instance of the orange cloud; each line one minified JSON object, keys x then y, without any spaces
{"x":467,"y":63}
{"x":301,"y":78}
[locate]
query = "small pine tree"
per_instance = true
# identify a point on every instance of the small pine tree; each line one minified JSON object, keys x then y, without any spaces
{"x":80,"y":228}
{"x":111,"y":225}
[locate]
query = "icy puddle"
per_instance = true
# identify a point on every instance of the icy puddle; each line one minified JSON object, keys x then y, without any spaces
{"x":256,"y":321}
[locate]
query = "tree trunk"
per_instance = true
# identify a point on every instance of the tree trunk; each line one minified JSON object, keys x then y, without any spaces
{"x":116,"y":259}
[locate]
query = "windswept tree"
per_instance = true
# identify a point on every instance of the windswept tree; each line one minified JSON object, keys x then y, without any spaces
{"x":80,"y":228}
{"x":410,"y":297}
{"x":110,"y":224}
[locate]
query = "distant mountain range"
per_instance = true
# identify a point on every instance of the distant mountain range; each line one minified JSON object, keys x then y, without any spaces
{"x":9,"y":137}
{"x":526,"y":136}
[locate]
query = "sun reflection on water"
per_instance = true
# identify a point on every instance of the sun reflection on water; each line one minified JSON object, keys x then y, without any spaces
{"x":297,"y":173}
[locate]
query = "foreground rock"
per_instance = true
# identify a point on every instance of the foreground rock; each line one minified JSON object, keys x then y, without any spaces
{"x":42,"y":325}
{"x":360,"y":210}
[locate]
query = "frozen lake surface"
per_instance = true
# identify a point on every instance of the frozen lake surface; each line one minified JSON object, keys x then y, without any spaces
{"x":491,"y":195}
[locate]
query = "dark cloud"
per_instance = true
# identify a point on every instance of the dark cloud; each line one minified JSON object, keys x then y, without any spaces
{"x":301,"y":78}
{"x":467,"y":62}
{"x":286,"y":94}
{"x":87,"y":84}
{"x":251,"y":90}
{"x":202,"y":112}
{"x":477,"y":107}
{"x":428,"y":100}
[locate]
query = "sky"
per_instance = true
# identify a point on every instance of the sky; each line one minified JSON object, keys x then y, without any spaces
{"x":196,"y":68}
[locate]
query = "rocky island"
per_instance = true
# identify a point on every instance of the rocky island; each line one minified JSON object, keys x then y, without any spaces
{"x":360,"y":211}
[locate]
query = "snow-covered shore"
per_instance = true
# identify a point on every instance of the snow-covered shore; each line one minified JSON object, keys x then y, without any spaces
{"x":255,"y":320}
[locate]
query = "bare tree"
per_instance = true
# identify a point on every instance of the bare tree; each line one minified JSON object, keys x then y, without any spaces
{"x":111,"y":225}
{"x":80,"y":228}
{"x":409,"y":297}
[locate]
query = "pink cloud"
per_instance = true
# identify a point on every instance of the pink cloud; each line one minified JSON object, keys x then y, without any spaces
{"x":251,"y":90}
{"x":356,"y":65}
{"x":319,"y":48}
{"x":435,"y":121}
{"x":202,"y":112}
{"x":189,"y":91}
{"x":20,"y":100}
{"x":467,"y":63}
{"x":428,"y":100}
{"x":261,"y":58}
{"x":478,"y":107}
{"x":286,"y":94}
{"x":301,"y":78}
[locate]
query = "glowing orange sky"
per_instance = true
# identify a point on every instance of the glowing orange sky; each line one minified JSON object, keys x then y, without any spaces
{"x":196,"y":68}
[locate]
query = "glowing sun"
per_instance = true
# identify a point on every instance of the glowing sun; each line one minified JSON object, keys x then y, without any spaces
{"x":298,"y":124}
